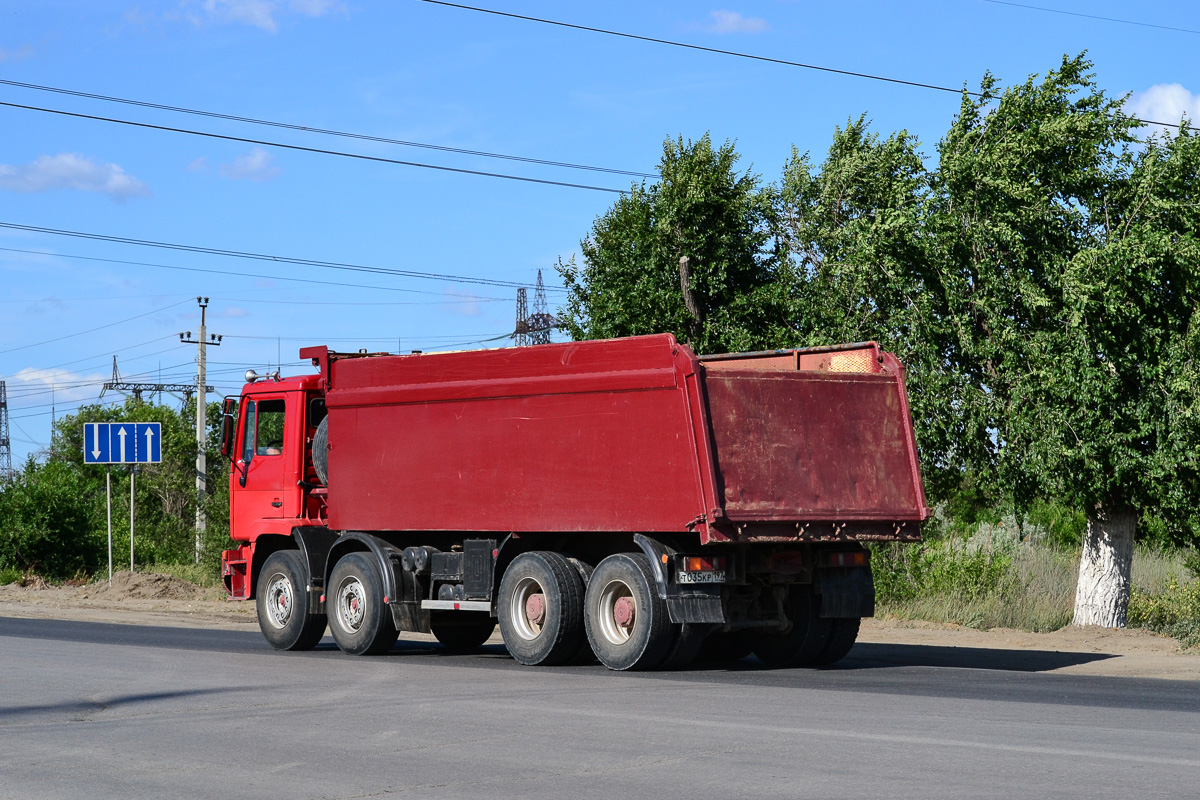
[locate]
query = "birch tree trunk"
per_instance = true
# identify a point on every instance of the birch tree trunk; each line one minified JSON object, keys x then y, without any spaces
{"x":1102,"y":594}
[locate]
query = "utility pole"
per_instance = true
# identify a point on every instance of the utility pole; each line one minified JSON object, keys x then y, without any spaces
{"x":202,"y":341}
{"x":5,"y":439}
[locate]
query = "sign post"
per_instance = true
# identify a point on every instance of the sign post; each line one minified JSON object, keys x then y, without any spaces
{"x":130,"y":443}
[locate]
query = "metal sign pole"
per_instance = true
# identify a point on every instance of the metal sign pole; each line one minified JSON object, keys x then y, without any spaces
{"x":132,"y":473}
{"x":108,"y":491}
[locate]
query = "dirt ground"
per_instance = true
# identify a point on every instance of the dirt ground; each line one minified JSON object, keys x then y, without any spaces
{"x":153,"y":599}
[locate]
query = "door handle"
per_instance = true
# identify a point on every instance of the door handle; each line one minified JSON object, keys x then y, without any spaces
{"x":276,"y":503}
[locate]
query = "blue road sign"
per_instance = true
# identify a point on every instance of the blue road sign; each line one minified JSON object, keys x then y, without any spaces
{"x":95,"y":443}
{"x":149,"y":442}
{"x":122,"y":442}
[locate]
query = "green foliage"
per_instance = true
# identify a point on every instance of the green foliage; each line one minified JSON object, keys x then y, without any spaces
{"x":1040,"y":280}
{"x":631,"y":281}
{"x":946,"y":567}
{"x":9,"y":575}
{"x":1061,"y":525}
{"x":53,"y":517}
{"x":46,"y":521}
{"x":1175,"y":611}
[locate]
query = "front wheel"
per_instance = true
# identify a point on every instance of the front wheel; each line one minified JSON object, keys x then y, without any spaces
{"x":282,"y":604}
{"x":627,"y":622}
{"x":359,"y":620}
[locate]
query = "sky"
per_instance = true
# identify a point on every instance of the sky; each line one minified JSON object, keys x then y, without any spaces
{"x":439,"y":77}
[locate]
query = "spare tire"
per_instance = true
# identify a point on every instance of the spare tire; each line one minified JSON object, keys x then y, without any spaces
{"x":320,"y":452}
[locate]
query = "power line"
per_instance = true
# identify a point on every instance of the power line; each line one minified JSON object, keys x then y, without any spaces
{"x":1092,"y":16}
{"x":325,"y":131}
{"x":751,"y":56}
{"x":92,"y":330}
{"x":308,"y":262}
{"x":246,"y":275}
{"x":322,"y":151}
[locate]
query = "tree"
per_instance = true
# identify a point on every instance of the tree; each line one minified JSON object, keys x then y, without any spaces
{"x":1041,"y":283}
{"x":691,"y":254}
{"x":53,"y":517}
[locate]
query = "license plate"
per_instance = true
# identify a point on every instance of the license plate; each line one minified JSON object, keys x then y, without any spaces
{"x":715,"y":576}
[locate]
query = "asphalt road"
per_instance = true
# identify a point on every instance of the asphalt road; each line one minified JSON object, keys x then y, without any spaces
{"x":92,"y":710}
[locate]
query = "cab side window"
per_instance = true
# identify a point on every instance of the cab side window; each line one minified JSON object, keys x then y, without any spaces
{"x":269,"y":440}
{"x":248,"y":432}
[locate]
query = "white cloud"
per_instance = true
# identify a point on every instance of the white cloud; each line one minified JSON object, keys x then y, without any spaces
{"x":198,"y":165}
{"x":257,"y":165}
{"x":462,"y":303}
{"x":67,"y":386}
{"x":20,"y":54}
{"x":263,"y":14}
{"x":72,"y":171}
{"x":732,"y":22}
{"x":1165,"y":102}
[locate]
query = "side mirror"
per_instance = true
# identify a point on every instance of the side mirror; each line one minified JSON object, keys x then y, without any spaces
{"x":228,"y":420}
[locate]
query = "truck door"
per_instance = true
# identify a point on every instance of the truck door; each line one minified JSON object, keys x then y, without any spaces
{"x":264,"y":463}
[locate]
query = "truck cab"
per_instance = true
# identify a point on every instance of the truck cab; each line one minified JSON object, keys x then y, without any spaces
{"x":267,"y":433}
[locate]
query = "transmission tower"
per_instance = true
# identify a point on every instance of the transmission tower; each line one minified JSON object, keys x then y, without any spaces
{"x":521,"y":330}
{"x":5,"y":441}
{"x":540,"y":321}
{"x":136,"y":388}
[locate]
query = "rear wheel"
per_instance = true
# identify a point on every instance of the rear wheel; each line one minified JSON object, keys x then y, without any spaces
{"x":725,"y":647}
{"x":540,"y":609}
{"x":807,"y":639}
{"x":626,"y":620}
{"x":282,"y":604}
{"x":841,"y":639}
{"x":463,"y":634}
{"x":689,"y":639}
{"x":359,"y":620}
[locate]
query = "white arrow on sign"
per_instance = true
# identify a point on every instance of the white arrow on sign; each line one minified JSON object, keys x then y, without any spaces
{"x":96,"y":440}
{"x":121,"y":432}
{"x":149,"y":443}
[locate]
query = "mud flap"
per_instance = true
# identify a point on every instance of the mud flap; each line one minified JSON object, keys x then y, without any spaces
{"x":846,"y":592}
{"x":695,"y":604}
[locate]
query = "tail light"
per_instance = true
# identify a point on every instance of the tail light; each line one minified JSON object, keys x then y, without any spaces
{"x":701,"y":563}
{"x":850,"y":558}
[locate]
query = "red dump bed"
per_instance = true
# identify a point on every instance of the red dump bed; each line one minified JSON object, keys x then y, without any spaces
{"x":636,"y":435}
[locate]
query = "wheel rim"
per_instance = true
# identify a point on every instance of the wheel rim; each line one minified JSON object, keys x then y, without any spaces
{"x":618,"y":612}
{"x":351,"y":604}
{"x":527,"y":611}
{"x":280,"y":599}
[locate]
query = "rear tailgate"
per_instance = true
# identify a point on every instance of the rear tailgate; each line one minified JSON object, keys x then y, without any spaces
{"x":822,"y":434}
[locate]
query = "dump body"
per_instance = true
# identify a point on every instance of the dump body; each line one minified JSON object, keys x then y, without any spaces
{"x":628,"y":435}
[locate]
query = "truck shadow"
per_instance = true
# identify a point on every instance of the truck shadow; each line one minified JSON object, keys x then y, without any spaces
{"x":875,"y":656}
{"x":864,"y":656}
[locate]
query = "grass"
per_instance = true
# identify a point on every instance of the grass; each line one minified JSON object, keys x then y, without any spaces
{"x":9,"y":575}
{"x":999,"y":576}
{"x":199,"y":574}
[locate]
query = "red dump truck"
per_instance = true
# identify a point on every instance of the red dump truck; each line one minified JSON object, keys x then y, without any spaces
{"x":624,"y":499}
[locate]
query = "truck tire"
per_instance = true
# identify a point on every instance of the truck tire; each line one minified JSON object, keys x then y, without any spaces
{"x":359,"y":620}
{"x":725,"y":647}
{"x":320,"y":452}
{"x":805,"y":642}
{"x":689,"y":638}
{"x":282,"y":604}
{"x":463,"y":635}
{"x":626,"y":620}
{"x":841,"y":639}
{"x":540,"y":609}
